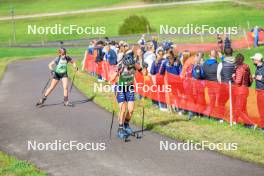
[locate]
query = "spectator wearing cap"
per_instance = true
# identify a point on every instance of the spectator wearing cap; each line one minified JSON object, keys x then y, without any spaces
{"x":210,"y":74}
{"x":149,"y":56}
{"x":242,"y":80}
{"x":225,"y":70}
{"x":157,"y":78}
{"x":259,"y":78}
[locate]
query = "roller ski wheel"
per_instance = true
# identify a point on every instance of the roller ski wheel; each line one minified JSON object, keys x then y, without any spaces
{"x":137,"y":135}
{"x":68,"y":104}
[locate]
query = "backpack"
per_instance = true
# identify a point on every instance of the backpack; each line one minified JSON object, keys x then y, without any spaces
{"x":197,"y":72}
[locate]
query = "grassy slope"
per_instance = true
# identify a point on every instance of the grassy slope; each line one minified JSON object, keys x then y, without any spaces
{"x":250,"y":142}
{"x":36,"y":6}
{"x":9,"y":166}
{"x":219,"y":14}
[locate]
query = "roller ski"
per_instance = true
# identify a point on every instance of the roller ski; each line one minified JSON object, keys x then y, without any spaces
{"x":122,"y":134}
{"x":68,"y":104}
{"x":130,"y":132}
{"x":40,"y":103}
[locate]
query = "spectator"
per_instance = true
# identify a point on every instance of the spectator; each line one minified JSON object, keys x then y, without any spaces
{"x":142,"y":42}
{"x":99,"y":58}
{"x":113,"y":46}
{"x":256,"y":36}
{"x":173,"y":66}
{"x":157,"y":78}
{"x":149,"y":56}
{"x":210,"y":74}
{"x":139,"y":57}
{"x":227,"y":42}
{"x":259,"y":78}
{"x":198,"y":85}
{"x":220,"y":43}
{"x":110,"y":55}
{"x":187,"y":62}
{"x":121,"y":51}
{"x":225,"y":70}
{"x":154,"y":40}
{"x":242,"y":80}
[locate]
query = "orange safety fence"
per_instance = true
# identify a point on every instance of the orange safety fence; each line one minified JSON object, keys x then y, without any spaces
{"x":246,"y":42}
{"x":200,"y":96}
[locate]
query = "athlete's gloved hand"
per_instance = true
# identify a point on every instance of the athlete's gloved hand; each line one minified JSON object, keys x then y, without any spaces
{"x":52,"y":72}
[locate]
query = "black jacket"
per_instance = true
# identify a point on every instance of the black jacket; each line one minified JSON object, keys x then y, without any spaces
{"x":260,"y":83}
{"x":227,"y":72}
{"x":210,"y":70}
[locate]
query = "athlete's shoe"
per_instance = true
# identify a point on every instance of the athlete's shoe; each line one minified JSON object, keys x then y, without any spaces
{"x":67,"y":103}
{"x":41,"y":101}
{"x":128,"y":129}
{"x":121,"y":133}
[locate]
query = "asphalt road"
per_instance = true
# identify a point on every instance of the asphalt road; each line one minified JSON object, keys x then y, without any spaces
{"x":20,"y":122}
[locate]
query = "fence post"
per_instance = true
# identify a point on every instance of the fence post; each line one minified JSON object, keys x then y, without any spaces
{"x":246,"y":37}
{"x":231,"y":104}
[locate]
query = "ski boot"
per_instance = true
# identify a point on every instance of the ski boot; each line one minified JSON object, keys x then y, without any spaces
{"x":122,"y":134}
{"x":41,"y":101}
{"x":128,"y":129}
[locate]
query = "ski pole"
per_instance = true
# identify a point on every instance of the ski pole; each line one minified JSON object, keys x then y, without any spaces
{"x":111,"y":127}
{"x":143,"y":118}
{"x":72,"y":81}
{"x":46,"y":85}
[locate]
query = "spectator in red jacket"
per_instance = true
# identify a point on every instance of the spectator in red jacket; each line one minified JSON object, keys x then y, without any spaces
{"x":242,"y":80}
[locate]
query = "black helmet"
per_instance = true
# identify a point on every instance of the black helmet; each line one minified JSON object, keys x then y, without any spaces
{"x":128,"y":60}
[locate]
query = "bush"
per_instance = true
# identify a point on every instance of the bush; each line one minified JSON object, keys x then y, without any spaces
{"x":134,"y":25}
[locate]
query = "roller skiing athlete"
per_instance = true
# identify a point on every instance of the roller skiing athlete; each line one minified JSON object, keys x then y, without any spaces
{"x":58,"y":68}
{"x":124,"y":92}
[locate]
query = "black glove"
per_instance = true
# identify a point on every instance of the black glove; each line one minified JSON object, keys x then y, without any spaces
{"x":52,"y":72}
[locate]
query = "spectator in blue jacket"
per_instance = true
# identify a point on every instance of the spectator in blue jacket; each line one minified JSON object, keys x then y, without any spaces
{"x":110,"y":55}
{"x":171,"y":64}
{"x":157,"y":79}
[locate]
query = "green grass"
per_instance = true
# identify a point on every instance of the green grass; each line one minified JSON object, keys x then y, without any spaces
{"x":250,"y":142}
{"x":8,"y":55}
{"x":36,"y":6}
{"x":10,"y":166}
{"x":217,"y":14}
